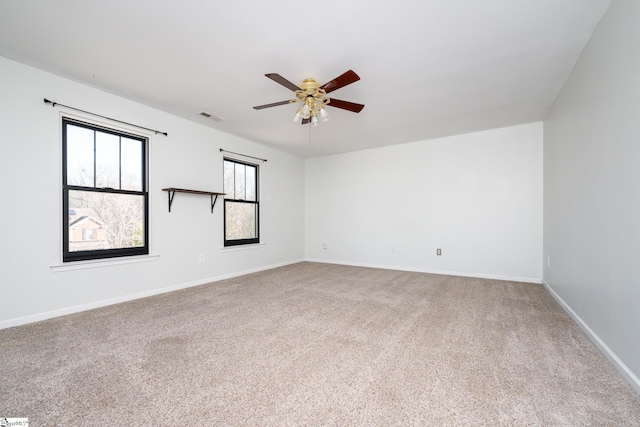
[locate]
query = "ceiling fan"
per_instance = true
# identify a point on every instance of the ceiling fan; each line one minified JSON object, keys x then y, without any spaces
{"x":314,"y":97}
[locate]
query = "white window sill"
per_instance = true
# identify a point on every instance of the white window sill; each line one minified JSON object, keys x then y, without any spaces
{"x":242,"y":247}
{"x":80,"y":265}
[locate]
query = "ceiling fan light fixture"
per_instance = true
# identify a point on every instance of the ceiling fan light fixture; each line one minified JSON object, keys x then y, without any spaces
{"x":322,"y":114}
{"x":297,"y":118}
{"x":305,"y":111}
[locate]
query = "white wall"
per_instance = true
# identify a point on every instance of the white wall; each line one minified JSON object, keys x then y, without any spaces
{"x":30,"y":172}
{"x":592,"y":188}
{"x":478,"y":197}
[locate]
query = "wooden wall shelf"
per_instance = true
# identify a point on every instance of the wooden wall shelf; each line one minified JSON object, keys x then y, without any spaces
{"x":171,"y":192}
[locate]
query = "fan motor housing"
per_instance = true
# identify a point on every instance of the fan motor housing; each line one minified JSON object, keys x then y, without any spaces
{"x":309,"y":85}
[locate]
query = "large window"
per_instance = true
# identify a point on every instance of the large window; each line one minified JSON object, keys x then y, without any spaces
{"x":105,"y":196}
{"x":241,"y":209}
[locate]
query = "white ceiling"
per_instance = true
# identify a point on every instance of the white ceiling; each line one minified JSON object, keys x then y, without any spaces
{"x":428,"y":68}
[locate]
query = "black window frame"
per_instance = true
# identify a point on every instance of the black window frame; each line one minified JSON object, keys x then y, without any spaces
{"x":97,"y":254}
{"x":249,"y":241}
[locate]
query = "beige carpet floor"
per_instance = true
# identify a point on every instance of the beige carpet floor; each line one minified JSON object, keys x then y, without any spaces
{"x":316,"y":344}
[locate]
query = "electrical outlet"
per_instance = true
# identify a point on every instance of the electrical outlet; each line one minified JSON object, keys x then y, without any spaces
{"x":438,"y":252}
{"x":201,"y":258}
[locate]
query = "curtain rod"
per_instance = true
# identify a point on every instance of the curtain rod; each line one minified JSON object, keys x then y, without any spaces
{"x":53,"y":104}
{"x":243,"y":155}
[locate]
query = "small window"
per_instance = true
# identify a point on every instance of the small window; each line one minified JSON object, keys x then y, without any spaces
{"x":88,"y":234}
{"x":241,"y":205}
{"x":105,"y":197}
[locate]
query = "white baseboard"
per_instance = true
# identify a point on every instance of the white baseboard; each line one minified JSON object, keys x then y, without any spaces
{"x":441,"y":272}
{"x":604,"y":349}
{"x":103,"y":303}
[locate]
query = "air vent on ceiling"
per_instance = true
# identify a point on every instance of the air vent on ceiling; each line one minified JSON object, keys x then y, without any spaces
{"x":211,"y":116}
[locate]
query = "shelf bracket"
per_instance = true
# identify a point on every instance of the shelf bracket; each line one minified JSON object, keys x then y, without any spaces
{"x":171,"y":194}
{"x":214,"y":199}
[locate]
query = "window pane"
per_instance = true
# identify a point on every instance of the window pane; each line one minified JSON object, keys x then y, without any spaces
{"x":229,"y":188}
{"x":131,"y":164}
{"x":241,"y":221}
{"x":105,"y":221}
{"x":79,"y":156}
{"x":239,"y":177}
{"x":251,"y":183}
{"x":107,"y":160}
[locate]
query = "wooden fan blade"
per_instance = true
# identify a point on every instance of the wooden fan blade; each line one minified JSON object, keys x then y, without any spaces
{"x":284,"y":82}
{"x":341,"y":81}
{"x":305,"y":121}
{"x":275,"y":104}
{"x":345,"y":105}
